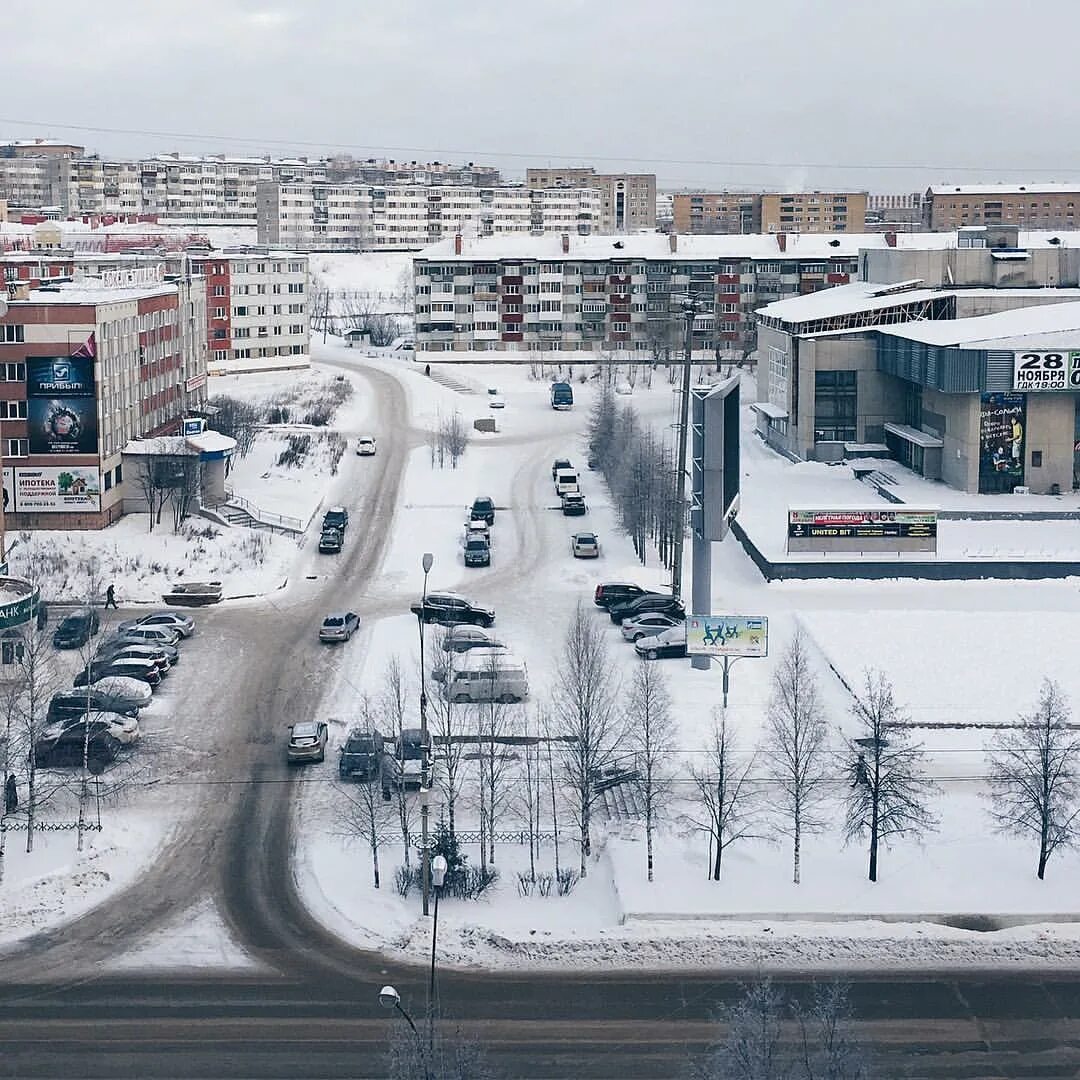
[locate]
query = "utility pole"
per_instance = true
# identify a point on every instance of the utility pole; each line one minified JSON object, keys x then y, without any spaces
{"x":690,"y":309}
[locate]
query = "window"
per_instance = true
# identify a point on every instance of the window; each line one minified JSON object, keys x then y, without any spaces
{"x":11,"y":335}
{"x":18,"y":448}
{"x":12,"y":410}
{"x":108,"y":480}
{"x":119,"y":474}
{"x":12,"y":373}
{"x":1036,"y":459}
{"x":835,"y":406}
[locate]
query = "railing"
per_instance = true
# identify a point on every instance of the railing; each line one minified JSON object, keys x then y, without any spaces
{"x":280,"y":521}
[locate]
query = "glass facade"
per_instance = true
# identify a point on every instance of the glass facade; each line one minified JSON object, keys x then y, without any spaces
{"x":835,"y":406}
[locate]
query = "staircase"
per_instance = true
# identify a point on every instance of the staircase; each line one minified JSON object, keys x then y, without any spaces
{"x":622,"y":802}
{"x":237,"y":515}
{"x":451,"y":383}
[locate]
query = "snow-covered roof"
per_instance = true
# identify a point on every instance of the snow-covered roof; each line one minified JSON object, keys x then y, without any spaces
{"x":82,"y":294}
{"x":211,"y":442}
{"x":1054,"y":188}
{"x":845,"y":300}
{"x":1027,"y":326}
{"x":689,"y":248}
{"x":161,"y":445}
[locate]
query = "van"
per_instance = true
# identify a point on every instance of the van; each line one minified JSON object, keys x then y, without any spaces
{"x":496,"y":676}
{"x":566,"y":480}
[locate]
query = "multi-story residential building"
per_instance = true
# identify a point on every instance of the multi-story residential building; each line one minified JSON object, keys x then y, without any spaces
{"x":1029,"y":206}
{"x":359,"y":217}
{"x":705,"y":212}
{"x":85,"y":367}
{"x":581,"y":294}
{"x":256,"y":303}
{"x":813,"y":211}
{"x":627,"y":200}
{"x":903,"y":208}
{"x":957,"y":354}
{"x":382,"y":171}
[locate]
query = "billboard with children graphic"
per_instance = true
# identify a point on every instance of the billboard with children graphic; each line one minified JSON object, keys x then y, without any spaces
{"x":1002,"y":430}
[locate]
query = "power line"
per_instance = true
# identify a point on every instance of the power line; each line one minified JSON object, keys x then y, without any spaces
{"x":536,"y":156}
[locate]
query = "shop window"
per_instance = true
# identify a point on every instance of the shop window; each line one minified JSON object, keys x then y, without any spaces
{"x":835,"y":406}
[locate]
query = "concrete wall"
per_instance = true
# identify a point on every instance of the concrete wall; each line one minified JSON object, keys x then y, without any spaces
{"x":1057,"y":266}
{"x":1050,"y":426}
{"x":960,"y":454}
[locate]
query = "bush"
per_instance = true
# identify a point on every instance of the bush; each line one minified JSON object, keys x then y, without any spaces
{"x":294,"y":454}
{"x":405,"y":878}
{"x":470,"y":882}
{"x":567,"y":880}
{"x":277,"y":414}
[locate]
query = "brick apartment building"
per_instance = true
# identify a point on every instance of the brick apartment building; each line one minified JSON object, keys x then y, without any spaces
{"x":627,"y":200}
{"x":704,"y":212}
{"x":947,"y":207}
{"x":85,"y":367}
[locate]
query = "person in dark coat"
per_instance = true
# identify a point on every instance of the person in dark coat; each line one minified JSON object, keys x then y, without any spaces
{"x":427,"y":369}
{"x":110,"y":597}
{"x":11,"y":795}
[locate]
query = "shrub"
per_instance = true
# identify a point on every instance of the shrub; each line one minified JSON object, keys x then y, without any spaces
{"x":294,"y":454}
{"x":277,"y":414}
{"x":544,"y":883}
{"x":568,"y":879}
{"x":404,"y":880}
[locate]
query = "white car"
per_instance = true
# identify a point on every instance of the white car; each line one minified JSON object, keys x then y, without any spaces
{"x":584,"y":545}
{"x":177,"y":620}
{"x":133,"y":691}
{"x":495,"y":399}
{"x":122,"y":728}
{"x":153,"y":635}
{"x":365,"y":446}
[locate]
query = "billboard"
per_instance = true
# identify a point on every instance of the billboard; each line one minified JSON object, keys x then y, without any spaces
{"x":862,"y":524}
{"x":1046,"y":370}
{"x":9,"y":491}
{"x":61,"y":406}
{"x":1002,"y":428}
{"x":727,"y":635}
{"x":714,"y":465}
{"x":60,"y":490}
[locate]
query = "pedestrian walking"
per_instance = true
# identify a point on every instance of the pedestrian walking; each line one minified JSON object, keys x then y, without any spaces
{"x":110,"y":597}
{"x":11,"y":795}
{"x":427,"y":370}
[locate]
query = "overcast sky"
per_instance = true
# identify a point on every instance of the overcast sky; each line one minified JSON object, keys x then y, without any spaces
{"x":803,"y":92}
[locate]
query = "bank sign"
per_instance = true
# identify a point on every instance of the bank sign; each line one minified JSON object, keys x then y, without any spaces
{"x":1034,"y":371}
{"x":861,"y":524}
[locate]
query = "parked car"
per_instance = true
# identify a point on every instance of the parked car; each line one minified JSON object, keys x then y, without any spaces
{"x":440,"y":668}
{"x":584,"y":545}
{"x":661,"y":602}
{"x":489,"y":676}
{"x":76,"y":629}
{"x":361,"y":756}
{"x":116,"y":691}
{"x":152,"y":635}
{"x":337,"y":517}
{"x":365,"y":446}
{"x":648,"y":625}
{"x":667,"y":643}
{"x":307,"y":741}
{"x":609,"y":593}
{"x":477,"y":551}
{"x":119,"y":651}
{"x":72,"y":704}
{"x":144,"y":670}
{"x":125,"y":729}
{"x":118,"y":644}
{"x":178,"y":620}
{"x":477,"y":527}
{"x":340,"y":626}
{"x":560,"y":464}
{"x":463,"y":637}
{"x":330,"y":542}
{"x":495,"y":399}
{"x":573,"y":504}
{"x":448,"y":609}
{"x":101,"y":749}
{"x":483,"y":507}
{"x":403,"y":767}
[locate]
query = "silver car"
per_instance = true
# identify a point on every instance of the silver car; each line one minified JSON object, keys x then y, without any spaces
{"x":178,"y":620}
{"x":339,"y":627}
{"x":649,"y":624}
{"x":307,"y":741}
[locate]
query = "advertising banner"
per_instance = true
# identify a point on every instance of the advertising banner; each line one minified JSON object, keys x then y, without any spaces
{"x":1002,"y":426}
{"x":9,"y":491}
{"x":727,"y":635}
{"x":61,"y":406}
{"x":862,"y":524}
{"x":60,"y":490}
{"x":1046,"y":371}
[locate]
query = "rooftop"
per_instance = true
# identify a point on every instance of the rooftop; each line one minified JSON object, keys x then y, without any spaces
{"x":846,"y":300}
{"x":1055,"y":188}
{"x":1022,"y":328}
{"x":83,"y":294}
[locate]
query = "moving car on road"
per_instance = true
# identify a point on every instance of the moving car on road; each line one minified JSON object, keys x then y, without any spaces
{"x":584,"y":545}
{"x":449,"y":609}
{"x":76,"y":629}
{"x":560,"y":464}
{"x":648,"y":625}
{"x":340,"y":626}
{"x":307,"y":741}
{"x":361,"y":756}
{"x":667,"y":643}
{"x":337,"y":517}
{"x":177,"y":620}
{"x":477,"y":551}
{"x":573,"y":504}
{"x":330,"y":542}
{"x":566,"y":480}
{"x":483,"y":508}
{"x":365,"y":446}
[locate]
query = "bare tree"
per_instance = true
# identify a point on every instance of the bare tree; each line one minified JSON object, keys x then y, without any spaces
{"x":151,"y":482}
{"x":584,"y":705}
{"x":186,"y":489}
{"x":727,"y":809}
{"x":795,"y":738}
{"x":365,"y":814}
{"x":393,"y":703}
{"x":546,"y":725}
{"x":889,"y":791}
{"x":1034,"y":779}
{"x":237,"y":419}
{"x":528,"y":795}
{"x":449,"y":715}
{"x":496,"y":721}
{"x":651,"y":732}
{"x":455,"y":435}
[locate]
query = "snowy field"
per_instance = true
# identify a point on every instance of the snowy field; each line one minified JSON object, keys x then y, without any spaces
{"x":382,"y":279}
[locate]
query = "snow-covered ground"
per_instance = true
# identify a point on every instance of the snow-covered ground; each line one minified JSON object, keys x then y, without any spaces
{"x":381,"y":278}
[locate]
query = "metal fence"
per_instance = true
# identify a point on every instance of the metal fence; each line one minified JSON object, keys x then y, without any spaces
{"x":48,"y":826}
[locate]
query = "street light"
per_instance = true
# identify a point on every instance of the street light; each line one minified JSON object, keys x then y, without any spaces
{"x":439,"y":867}
{"x":389,"y":998}
{"x":425,"y":749}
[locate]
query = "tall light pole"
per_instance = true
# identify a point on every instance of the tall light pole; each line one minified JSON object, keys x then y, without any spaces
{"x":425,"y":747}
{"x":389,"y":998}
{"x":438,"y":876}
{"x":690,"y":309}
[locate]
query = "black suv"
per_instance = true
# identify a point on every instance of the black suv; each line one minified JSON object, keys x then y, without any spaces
{"x":610,"y":593}
{"x":449,"y":609}
{"x":483,"y":509}
{"x":361,"y":756}
{"x":67,"y":748}
{"x":337,"y":517}
{"x":661,"y":602}
{"x":477,"y":551}
{"x":71,"y":704}
{"x":76,"y":629}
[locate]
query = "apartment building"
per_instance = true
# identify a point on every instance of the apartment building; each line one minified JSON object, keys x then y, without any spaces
{"x":627,"y":200}
{"x":947,"y":207}
{"x":813,"y":212}
{"x":85,"y":367}
{"x":574,"y":293}
{"x":344,"y":168}
{"x":363,"y":217}
{"x":256,"y":303}
{"x":711,"y":212}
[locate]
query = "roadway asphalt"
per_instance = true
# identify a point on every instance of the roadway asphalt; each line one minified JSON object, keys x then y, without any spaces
{"x":312,"y":1009}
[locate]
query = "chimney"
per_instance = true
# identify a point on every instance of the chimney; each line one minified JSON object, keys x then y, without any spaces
{"x":673,"y":241}
{"x":565,"y":243}
{"x":781,"y":241}
{"x":890,"y":239}
{"x":457,"y":244}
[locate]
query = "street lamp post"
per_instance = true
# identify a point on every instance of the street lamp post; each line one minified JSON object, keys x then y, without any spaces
{"x":425,"y":747}
{"x":438,"y":876}
{"x":389,"y":998}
